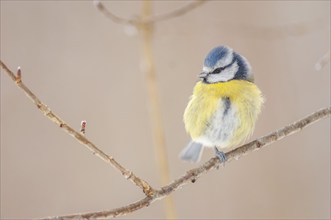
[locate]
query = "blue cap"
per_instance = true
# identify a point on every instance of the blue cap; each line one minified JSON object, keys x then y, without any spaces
{"x":215,"y":55}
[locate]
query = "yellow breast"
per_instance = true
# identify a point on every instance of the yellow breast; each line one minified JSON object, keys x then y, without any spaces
{"x":245,"y":99}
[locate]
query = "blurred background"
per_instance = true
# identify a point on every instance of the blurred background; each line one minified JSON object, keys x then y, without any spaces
{"x":86,"y":67}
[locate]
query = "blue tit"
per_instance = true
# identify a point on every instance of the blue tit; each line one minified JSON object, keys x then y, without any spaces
{"x":224,"y":106}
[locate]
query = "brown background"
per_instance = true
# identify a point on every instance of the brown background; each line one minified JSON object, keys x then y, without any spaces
{"x":83,"y":66}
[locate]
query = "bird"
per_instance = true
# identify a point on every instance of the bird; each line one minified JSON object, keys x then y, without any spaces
{"x":224,"y":107}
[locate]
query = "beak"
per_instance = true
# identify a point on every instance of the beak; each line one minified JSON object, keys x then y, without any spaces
{"x":203,"y":75}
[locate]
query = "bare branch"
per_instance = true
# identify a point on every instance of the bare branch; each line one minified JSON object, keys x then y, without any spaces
{"x":138,"y":21}
{"x":149,"y":69}
{"x":107,"y":214}
{"x":147,"y":189}
{"x":192,"y":175}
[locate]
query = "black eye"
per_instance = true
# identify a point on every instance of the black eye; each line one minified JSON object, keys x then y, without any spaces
{"x":218,"y":70}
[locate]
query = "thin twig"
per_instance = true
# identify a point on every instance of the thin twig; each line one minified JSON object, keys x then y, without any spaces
{"x":192,"y":175}
{"x":147,"y":189}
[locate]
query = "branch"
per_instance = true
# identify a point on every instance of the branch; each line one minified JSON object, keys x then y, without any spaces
{"x":190,"y":176}
{"x":194,"y":174}
{"x":149,"y":69}
{"x":176,"y":13}
{"x":147,"y":189}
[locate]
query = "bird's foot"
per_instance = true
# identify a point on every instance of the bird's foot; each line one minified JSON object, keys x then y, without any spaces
{"x":221,"y":156}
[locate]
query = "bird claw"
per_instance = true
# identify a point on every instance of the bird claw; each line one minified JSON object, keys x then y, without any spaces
{"x":220,"y":155}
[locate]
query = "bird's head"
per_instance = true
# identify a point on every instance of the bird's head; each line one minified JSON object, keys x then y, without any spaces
{"x":222,"y":64}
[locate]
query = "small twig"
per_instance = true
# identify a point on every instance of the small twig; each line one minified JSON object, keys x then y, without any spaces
{"x":107,"y":214}
{"x":147,"y":189}
{"x":192,"y":175}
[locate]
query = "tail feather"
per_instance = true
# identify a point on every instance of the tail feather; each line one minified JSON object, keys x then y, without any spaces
{"x":192,"y":152}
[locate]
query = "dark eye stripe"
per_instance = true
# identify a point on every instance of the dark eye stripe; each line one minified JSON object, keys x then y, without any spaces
{"x":220,"y":69}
